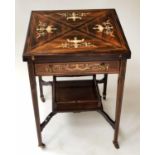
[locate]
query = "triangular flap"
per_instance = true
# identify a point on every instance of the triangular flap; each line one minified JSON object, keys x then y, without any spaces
{"x":74,"y":18}
{"x":44,"y":29}
{"x":74,"y":41}
{"x":104,"y":28}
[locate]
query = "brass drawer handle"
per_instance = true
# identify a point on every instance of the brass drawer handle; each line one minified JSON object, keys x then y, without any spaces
{"x":104,"y":66}
{"x":49,"y":68}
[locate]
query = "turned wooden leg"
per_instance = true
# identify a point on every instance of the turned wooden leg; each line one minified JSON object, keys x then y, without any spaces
{"x":120,"y":87}
{"x":105,"y":86}
{"x":35,"y":101}
{"x":41,"y":89}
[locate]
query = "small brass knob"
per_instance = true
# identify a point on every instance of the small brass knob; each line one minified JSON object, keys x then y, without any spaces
{"x":104,"y":66}
{"x":49,"y":68}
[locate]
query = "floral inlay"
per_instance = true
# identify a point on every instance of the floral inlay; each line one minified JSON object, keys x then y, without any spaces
{"x":106,"y":27}
{"x":43,"y":29}
{"x":76,"y":43}
{"x":73,"y":15}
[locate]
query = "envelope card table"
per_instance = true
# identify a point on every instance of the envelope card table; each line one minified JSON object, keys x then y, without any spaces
{"x":71,"y":43}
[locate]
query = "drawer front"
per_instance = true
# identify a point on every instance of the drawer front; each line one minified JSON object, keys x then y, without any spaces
{"x":84,"y":68}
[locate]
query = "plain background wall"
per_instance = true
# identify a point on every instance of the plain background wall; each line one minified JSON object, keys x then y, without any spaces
{"x":82,"y":133}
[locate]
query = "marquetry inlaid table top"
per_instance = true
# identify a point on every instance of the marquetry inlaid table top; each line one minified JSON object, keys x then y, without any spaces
{"x":70,"y":32}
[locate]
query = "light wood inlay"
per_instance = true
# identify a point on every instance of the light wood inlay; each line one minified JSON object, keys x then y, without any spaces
{"x":77,"y":68}
{"x":75,"y":31}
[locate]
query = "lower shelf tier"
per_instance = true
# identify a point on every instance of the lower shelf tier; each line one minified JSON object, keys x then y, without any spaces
{"x":76,"y":96}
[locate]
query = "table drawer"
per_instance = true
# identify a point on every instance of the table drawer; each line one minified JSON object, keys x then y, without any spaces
{"x":78,"y":68}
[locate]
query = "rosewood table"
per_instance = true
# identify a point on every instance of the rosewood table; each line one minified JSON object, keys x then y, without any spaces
{"x":76,"y":43}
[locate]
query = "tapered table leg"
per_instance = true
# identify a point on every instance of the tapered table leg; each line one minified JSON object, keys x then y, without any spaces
{"x":41,"y":89}
{"x":32,"y":79}
{"x":105,"y":86}
{"x":120,"y":88}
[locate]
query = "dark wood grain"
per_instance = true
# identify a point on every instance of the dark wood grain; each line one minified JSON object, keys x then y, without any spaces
{"x":76,"y":43}
{"x":78,"y":33}
{"x":35,"y":102}
{"x":120,"y":88}
{"x":77,"y":68}
{"x":76,"y":96}
{"x":41,"y":89}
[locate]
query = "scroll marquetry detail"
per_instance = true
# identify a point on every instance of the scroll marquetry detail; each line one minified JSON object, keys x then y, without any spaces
{"x":76,"y":68}
{"x":106,"y":27}
{"x":76,"y":43}
{"x":75,"y":32}
{"x":43,"y":29}
{"x":74,"y":16}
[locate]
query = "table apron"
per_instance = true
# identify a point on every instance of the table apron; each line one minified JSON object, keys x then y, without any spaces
{"x":76,"y":68}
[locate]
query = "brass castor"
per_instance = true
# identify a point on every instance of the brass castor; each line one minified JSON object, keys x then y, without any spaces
{"x":104,"y":97}
{"x":116,"y":144}
{"x":42,"y":98}
{"x":42,"y":145}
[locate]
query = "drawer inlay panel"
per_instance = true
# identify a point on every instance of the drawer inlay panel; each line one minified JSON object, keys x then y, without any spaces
{"x":77,"y":68}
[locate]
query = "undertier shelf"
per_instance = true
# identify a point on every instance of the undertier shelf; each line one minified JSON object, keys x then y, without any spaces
{"x":76,"y":96}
